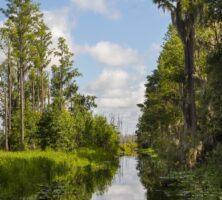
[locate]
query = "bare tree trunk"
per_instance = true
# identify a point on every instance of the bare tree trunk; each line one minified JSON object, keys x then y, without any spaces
{"x":42,"y":92}
{"x":9,"y":93}
{"x":33,"y":95}
{"x":189,"y":67}
{"x":17,"y":102}
{"x":22,"y":131}
{"x":6,"y":123}
{"x":184,"y":97}
{"x":48,"y":96}
{"x":21,"y":88}
{"x":38,"y":95}
{"x":61,"y":89}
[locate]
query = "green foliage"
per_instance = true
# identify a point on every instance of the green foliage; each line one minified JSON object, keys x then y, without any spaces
{"x":62,"y":130}
{"x":39,"y":173}
{"x":185,"y":14}
{"x":215,"y":10}
{"x":149,"y":152}
{"x":212,"y":121}
{"x":83,"y":124}
{"x":151,"y":168}
{"x":31,"y":128}
{"x":129,"y":148}
{"x":56,"y":130}
{"x":164,"y":145}
{"x":63,"y":83}
{"x":203,"y":182}
{"x":44,"y":113}
{"x":104,"y":135}
{"x":24,"y":16}
{"x":161,"y":123}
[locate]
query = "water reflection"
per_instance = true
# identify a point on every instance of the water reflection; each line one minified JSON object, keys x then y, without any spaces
{"x":126,"y":184}
{"x":160,"y":187}
{"x":127,"y":179}
{"x":186,"y":185}
{"x":80,"y":184}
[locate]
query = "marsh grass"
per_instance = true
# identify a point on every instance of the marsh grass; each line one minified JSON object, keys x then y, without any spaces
{"x":22,"y":172}
{"x":129,"y":149}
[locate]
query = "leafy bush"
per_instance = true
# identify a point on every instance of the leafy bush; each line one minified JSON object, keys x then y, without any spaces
{"x":129,"y":148}
{"x":32,"y":119}
{"x":66,"y":131}
{"x":104,"y":135}
{"x":57,"y":130}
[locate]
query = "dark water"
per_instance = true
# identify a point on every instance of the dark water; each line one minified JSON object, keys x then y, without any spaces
{"x":143,"y":178}
{"x":118,"y":181}
{"x":163,"y":183}
{"x":77,"y":184}
{"x":131,"y":179}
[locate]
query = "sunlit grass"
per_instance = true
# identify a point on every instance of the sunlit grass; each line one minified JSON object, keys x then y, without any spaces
{"x":129,"y":148}
{"x":22,"y":171}
{"x":79,"y":158}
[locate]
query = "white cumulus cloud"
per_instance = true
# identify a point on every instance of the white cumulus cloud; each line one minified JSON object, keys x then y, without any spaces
{"x":98,"y":6}
{"x":118,"y":93}
{"x":61,"y":24}
{"x":111,"y":54}
{"x":110,"y":80}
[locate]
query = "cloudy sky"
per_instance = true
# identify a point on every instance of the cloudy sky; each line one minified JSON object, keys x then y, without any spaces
{"x":116,"y":45}
{"x":126,"y":183}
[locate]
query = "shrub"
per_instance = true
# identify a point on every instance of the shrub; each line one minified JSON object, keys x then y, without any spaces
{"x":104,"y":135}
{"x":57,"y":131}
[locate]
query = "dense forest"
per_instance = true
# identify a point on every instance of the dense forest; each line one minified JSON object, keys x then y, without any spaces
{"x":41,"y":107}
{"x":181,"y":115}
{"x":181,"y":122}
{"x":59,"y":149}
{"x":49,"y":137}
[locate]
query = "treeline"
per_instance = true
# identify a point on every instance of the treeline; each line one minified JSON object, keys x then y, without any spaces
{"x":182,"y":113}
{"x":40,"y":103}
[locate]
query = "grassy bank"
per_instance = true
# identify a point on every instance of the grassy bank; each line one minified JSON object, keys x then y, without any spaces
{"x":23,"y":172}
{"x":128,"y":149}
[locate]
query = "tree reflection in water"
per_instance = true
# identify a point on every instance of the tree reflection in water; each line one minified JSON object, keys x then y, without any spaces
{"x":153,"y":175}
{"x":79,"y":184}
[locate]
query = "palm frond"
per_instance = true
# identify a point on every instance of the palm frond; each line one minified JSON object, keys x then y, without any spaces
{"x":166,"y":5}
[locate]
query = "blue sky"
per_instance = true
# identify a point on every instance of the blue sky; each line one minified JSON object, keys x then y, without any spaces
{"x":116,"y":45}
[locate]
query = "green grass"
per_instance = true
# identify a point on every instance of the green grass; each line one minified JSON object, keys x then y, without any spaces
{"x":22,"y":172}
{"x":149,"y":151}
{"x":128,"y":149}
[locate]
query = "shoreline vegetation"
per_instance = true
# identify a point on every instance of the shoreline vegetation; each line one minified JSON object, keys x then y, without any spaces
{"x":203,"y":181}
{"x":55,"y":147}
{"x":179,"y":132}
{"x":23,"y":174}
{"x":40,"y":103}
{"x":128,"y":145}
